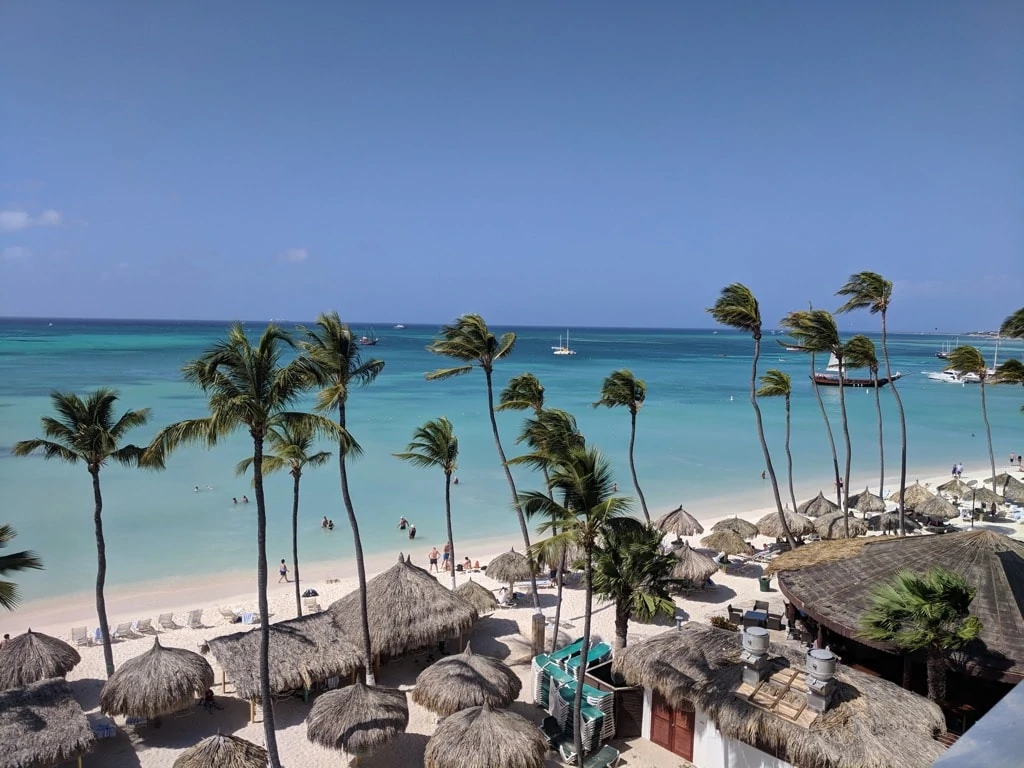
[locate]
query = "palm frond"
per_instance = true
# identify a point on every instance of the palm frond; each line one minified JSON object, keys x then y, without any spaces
{"x":1013,"y":326}
{"x":859,"y":352}
{"x":447,"y":373}
{"x":130,"y":420}
{"x":1009,"y":372}
{"x":866,"y":290}
{"x":50,"y":450}
{"x":523,"y":392}
{"x":621,"y":388}
{"x":737,"y":308}
{"x":775,"y":383}
{"x":967,"y":359}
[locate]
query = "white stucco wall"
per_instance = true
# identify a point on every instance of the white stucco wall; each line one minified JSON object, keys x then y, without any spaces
{"x":645,"y":724}
{"x":712,"y":750}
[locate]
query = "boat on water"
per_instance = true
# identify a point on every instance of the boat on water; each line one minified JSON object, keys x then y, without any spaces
{"x":943,"y":354}
{"x":952,"y":377}
{"x":561,"y":350}
{"x":398,"y":327}
{"x":369,"y":340}
{"x":832,"y":377}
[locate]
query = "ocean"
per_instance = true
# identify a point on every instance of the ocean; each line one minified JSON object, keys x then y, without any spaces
{"x":696,"y":442}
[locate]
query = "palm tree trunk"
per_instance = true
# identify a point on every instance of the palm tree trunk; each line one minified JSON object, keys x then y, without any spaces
{"x":828,"y":430}
{"x":881,"y":443}
{"x":789,"y":457}
{"x":936,"y":674}
{"x":295,"y":542}
{"x":357,"y":546}
{"x":903,"y":424}
{"x":588,"y":608}
{"x":632,"y":466}
{"x":764,"y":446}
{"x":560,"y":576}
{"x":988,"y":433}
{"x":448,"y":521}
{"x":269,"y":732}
{"x":101,"y":572}
{"x":621,"y":625}
{"x":511,"y":483}
{"x":846,"y":441}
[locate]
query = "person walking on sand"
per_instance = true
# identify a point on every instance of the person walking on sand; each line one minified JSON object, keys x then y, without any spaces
{"x":432,"y":557}
{"x":283,"y":570}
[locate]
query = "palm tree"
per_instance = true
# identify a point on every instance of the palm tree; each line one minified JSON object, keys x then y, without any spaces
{"x":967,"y":359}
{"x":583,"y":510}
{"x":930,"y":612}
{"x":292,"y":448}
{"x":470,"y":341}
{"x":248,"y":389}
{"x":332,"y":357}
{"x":631,"y":570}
{"x":16,"y":561}
{"x":815,"y":331}
{"x":1013,"y":326}
{"x":737,"y":308}
{"x":86,"y":431}
{"x":775,"y":383}
{"x":435,"y":445}
{"x":523,"y":392}
{"x":860,"y":353}
{"x":871,"y":291}
{"x":1009,"y":372}
{"x":623,"y":389}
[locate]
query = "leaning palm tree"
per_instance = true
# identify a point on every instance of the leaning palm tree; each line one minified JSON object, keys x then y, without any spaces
{"x":250,"y":389}
{"x":860,"y":353}
{"x":871,"y":291}
{"x":737,"y":307}
{"x":930,"y":612}
{"x":332,"y":358}
{"x":584,"y":507}
{"x":292,"y":447}
{"x":522,"y":393}
{"x":16,"y":561}
{"x":471,"y":342}
{"x":86,"y":431}
{"x":775,"y":383}
{"x":622,"y":389}
{"x":967,"y":359}
{"x":1010,"y":372}
{"x":1013,"y":326}
{"x":434,"y":445}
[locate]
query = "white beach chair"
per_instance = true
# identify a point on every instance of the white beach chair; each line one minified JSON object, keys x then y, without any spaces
{"x":143,"y":626}
{"x":230,"y":616}
{"x":311,"y":605}
{"x":80,"y":636}
{"x":166,"y":621}
{"x":195,"y":619}
{"x":122,"y":631}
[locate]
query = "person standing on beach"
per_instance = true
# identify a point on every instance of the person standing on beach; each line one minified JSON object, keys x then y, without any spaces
{"x":432,"y":557}
{"x":283,"y":570}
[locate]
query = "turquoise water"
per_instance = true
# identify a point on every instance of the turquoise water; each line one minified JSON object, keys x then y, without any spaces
{"x":696,"y":440}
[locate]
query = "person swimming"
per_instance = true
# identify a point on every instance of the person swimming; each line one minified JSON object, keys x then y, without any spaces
{"x":324,"y":522}
{"x":402,"y":524}
{"x":245,"y":499}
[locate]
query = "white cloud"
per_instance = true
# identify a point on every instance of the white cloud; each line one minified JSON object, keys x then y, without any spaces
{"x":13,"y":219}
{"x":293,"y":256}
{"x":16,"y":253}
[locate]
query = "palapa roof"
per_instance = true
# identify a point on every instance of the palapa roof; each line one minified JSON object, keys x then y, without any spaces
{"x":302,"y":651}
{"x":916,"y":494}
{"x":729,"y":542}
{"x":738,"y":525}
{"x":691,"y":565}
{"x":817,"y":552}
{"x":465,"y":680}
{"x":770,"y":525}
{"x":938,"y":508}
{"x":41,"y":725}
{"x":680,"y":522}
{"x":891,"y":520}
{"x":956,"y":487}
{"x":1009,"y":486}
{"x":223,"y":751}
{"x":157,"y":682}
{"x":837,"y":591}
{"x":867,"y":502}
{"x":357,"y":719}
{"x":871,"y":722}
{"x":34,"y":656}
{"x":817,"y":506}
{"x":407,"y":609}
{"x":477,"y":595}
{"x":831,"y":526}
{"x":510,"y":566}
{"x":980,"y":495}
{"x":481,"y":737}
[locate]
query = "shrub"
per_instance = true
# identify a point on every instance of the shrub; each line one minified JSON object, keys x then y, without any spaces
{"x":723,"y":623}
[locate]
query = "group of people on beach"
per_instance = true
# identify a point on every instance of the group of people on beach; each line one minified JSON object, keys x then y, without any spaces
{"x":446,"y":562}
{"x":327,"y":525}
{"x":958,"y":469}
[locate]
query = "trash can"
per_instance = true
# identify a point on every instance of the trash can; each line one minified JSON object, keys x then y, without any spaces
{"x":766,"y":582}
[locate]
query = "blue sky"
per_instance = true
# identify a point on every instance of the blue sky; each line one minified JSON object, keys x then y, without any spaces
{"x":596,"y":163}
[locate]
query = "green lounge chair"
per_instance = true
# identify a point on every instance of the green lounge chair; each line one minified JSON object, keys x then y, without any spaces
{"x":606,"y":757}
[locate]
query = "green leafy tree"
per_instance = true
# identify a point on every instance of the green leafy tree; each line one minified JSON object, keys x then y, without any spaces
{"x":12,"y":563}
{"x":292,"y":448}
{"x":737,"y":308}
{"x":871,"y":291}
{"x":248,"y":389}
{"x":435,"y":446}
{"x":1010,"y":372}
{"x":87,"y":431}
{"x":631,"y":570}
{"x":1013,"y":326}
{"x":583,"y":509}
{"x":967,"y":359}
{"x":775,"y":383}
{"x":929,"y":612}
{"x":860,"y":353}
{"x":621,"y":389}
{"x":469,"y":341}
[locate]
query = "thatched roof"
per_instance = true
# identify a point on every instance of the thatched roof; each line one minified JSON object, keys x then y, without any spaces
{"x":481,"y":737}
{"x":738,"y":525}
{"x":477,"y":595}
{"x":891,"y":521}
{"x":1009,"y":486}
{"x":817,"y":506}
{"x":223,"y":751}
{"x":158,"y":682}
{"x":956,"y":487}
{"x":770,"y":525}
{"x":938,"y":508}
{"x":867,"y":503}
{"x":692,"y":566}
{"x":680,"y":522}
{"x":34,"y":656}
{"x":301,"y":651}
{"x":510,"y":566}
{"x":729,"y":542}
{"x":871,"y":722}
{"x":465,"y":680}
{"x":357,"y":719}
{"x":980,"y":495}
{"x":41,"y":725}
{"x":407,"y":609}
{"x":831,"y":526}
{"x":818,"y":552}
{"x":838,"y":592}
{"x":916,"y":494}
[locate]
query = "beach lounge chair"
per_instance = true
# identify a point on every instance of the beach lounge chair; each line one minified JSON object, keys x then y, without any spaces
{"x":552,"y":732}
{"x":166,"y":621}
{"x":230,"y":616}
{"x":606,"y":757}
{"x":122,"y":631}
{"x":310,"y":605}
{"x":80,"y":636}
{"x":144,"y":626}
{"x":195,"y":619}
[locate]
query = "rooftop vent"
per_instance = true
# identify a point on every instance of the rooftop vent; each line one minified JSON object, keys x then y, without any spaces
{"x":754,"y":655}
{"x":821,"y":684}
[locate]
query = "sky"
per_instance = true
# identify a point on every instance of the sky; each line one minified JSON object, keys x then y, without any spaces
{"x":541,"y":163}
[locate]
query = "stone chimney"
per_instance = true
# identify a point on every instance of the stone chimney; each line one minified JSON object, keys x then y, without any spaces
{"x":754,"y":655}
{"x":821,"y":684}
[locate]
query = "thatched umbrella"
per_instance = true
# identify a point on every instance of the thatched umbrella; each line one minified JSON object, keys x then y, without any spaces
{"x":916,"y":494}
{"x":465,"y":680}
{"x":938,"y":508}
{"x":770,"y":525}
{"x":1009,"y":486}
{"x":41,"y":724}
{"x":744,"y":528}
{"x":817,"y":506}
{"x":692,"y":566}
{"x":955,"y":487}
{"x":890,"y":521}
{"x":511,"y":567}
{"x":477,"y":595}
{"x":160,"y":681}
{"x":481,"y":737}
{"x":680,"y":522}
{"x":357,"y":719}
{"x":223,"y":751}
{"x":832,"y":526}
{"x":867,"y":503}
{"x":34,"y":656}
{"x":729,"y":542}
{"x":983,"y":496}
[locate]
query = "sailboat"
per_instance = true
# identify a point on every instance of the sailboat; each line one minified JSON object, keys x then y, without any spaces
{"x":369,"y":341}
{"x":563,"y":350}
{"x":832,"y":377}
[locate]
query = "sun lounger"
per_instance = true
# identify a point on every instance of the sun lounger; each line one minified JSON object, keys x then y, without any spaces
{"x":80,"y":636}
{"x":310,"y":605}
{"x":229,"y":615}
{"x":195,"y":619}
{"x":166,"y":621}
{"x":606,"y":757}
{"x":143,"y":626}
{"x":569,"y":650}
{"x":122,"y":631}
{"x":598,"y":653}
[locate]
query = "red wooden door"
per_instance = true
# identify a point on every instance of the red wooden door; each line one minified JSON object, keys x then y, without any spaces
{"x":671,"y":728}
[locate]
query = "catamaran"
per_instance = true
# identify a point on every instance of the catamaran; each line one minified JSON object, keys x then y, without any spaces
{"x":563,"y":350}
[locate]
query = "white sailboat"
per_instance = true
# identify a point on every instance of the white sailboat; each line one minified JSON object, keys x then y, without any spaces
{"x":563,"y":350}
